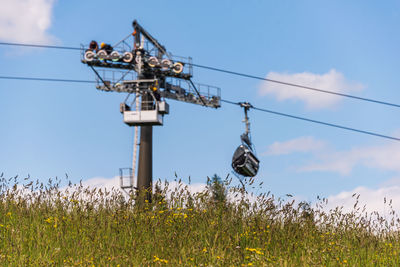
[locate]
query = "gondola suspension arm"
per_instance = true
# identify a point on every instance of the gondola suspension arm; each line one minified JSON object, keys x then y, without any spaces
{"x":245,"y":137}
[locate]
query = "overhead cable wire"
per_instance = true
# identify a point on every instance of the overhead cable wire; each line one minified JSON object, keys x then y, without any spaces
{"x":228,"y":102}
{"x":237,"y":74}
{"x":41,"y":46}
{"x":316,"y":121}
{"x":45,"y":79}
{"x":297,"y":85}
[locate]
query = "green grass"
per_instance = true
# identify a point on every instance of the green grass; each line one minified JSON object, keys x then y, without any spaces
{"x":47,"y":226}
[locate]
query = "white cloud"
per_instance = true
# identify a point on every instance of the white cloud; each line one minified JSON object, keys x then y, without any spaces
{"x":385,"y":157}
{"x":395,"y":181}
{"x":331,"y":81}
{"x":378,"y":199}
{"x":103,"y":183}
{"x":301,"y":144}
{"x":114,"y":183}
{"x":26,"y":20}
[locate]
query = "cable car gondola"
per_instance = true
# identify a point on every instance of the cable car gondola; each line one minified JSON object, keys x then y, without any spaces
{"x":244,"y":161}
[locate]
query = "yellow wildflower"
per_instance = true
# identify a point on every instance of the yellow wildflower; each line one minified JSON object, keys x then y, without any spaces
{"x":157,"y":259}
{"x":257,"y":251}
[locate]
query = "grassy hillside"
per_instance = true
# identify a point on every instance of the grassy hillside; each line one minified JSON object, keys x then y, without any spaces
{"x":42,"y":225}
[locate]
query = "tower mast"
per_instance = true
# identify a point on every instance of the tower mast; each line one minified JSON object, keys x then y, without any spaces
{"x":149,"y":72}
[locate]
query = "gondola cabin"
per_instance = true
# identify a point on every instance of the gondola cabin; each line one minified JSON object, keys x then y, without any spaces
{"x":244,"y":162}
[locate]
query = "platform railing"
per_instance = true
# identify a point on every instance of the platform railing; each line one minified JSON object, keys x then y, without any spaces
{"x":126,"y":178}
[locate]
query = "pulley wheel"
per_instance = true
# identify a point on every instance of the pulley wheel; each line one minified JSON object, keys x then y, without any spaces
{"x":127,"y":57}
{"x":89,"y":55}
{"x":178,"y":67}
{"x":153,"y":61}
{"x":166,"y":64}
{"x":102,"y":54}
{"x":114,"y":56}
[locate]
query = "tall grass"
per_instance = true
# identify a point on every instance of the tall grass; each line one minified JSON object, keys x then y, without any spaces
{"x":45,"y":225}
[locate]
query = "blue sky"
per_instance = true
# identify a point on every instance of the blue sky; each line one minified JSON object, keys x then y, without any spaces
{"x":53,"y":129}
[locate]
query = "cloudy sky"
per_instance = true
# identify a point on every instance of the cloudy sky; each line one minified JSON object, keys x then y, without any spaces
{"x":59,"y":129}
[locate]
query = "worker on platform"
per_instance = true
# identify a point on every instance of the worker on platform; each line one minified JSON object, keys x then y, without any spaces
{"x":108,"y":48}
{"x":94,"y":46}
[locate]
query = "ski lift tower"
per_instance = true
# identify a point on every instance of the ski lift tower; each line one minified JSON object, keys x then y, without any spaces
{"x":149,"y":74}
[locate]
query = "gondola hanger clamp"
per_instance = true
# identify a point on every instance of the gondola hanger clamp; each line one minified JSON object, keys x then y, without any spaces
{"x":244,"y":161}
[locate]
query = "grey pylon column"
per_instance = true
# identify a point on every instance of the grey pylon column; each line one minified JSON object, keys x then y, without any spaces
{"x":145,"y":171}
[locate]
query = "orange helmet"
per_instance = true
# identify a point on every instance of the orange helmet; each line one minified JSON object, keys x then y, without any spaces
{"x":102,"y":45}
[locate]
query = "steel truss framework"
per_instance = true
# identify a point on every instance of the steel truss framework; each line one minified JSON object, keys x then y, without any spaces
{"x":150,"y":73}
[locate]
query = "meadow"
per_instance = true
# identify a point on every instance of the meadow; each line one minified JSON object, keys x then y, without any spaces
{"x":50,"y":225}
